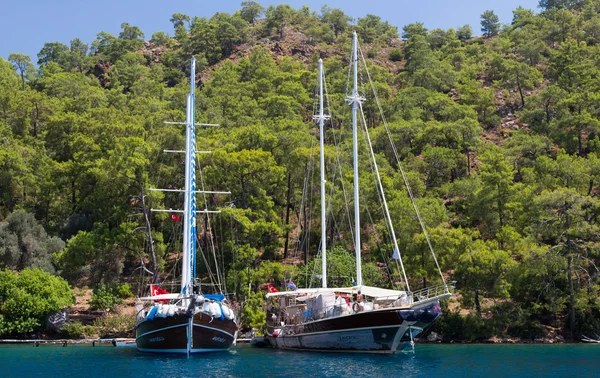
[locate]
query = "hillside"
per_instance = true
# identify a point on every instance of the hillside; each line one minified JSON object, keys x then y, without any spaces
{"x":499,"y":134}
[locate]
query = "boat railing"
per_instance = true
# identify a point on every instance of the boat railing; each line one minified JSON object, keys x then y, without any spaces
{"x":433,"y":292}
{"x":286,"y":319}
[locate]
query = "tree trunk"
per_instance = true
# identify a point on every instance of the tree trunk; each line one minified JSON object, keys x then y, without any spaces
{"x":73,"y":197}
{"x":468,"y":163}
{"x":332,"y":232}
{"x":244,"y":193}
{"x":35,"y":123}
{"x":579,"y":142}
{"x":477,"y":303}
{"x":520,"y":91}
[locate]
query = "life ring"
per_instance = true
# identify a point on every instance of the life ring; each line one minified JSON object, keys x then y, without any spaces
{"x":356,"y":307}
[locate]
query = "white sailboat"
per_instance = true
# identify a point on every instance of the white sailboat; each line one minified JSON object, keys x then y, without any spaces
{"x":381,"y":320}
{"x":189,"y":321}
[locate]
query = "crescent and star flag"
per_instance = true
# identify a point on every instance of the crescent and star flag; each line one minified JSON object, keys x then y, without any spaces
{"x":175,"y":218}
{"x":271,"y":289}
{"x":155,"y":290}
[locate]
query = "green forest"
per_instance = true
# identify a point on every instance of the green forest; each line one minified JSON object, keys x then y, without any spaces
{"x":499,"y":135}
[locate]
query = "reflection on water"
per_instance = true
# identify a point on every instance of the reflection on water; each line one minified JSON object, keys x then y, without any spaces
{"x":429,"y":360}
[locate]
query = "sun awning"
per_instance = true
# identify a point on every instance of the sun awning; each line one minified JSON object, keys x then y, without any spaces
{"x":379,"y":293}
{"x":302,"y":292}
{"x":369,"y":291}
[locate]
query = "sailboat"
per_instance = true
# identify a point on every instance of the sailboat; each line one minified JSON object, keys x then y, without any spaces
{"x":380,"y":320}
{"x":189,"y":321}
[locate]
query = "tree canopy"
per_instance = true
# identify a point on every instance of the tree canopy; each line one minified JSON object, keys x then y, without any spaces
{"x":499,"y":137}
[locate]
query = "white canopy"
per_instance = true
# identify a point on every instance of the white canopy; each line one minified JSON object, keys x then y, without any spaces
{"x":369,"y":291}
{"x":301,"y":292}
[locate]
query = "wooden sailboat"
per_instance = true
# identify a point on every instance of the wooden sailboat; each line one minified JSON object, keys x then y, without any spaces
{"x":189,"y":321}
{"x":381,"y":320}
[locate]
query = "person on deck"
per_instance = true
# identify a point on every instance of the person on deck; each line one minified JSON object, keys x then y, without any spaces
{"x":359,"y":305}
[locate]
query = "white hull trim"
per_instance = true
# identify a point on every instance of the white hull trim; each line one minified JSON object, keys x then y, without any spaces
{"x":341,"y":330}
{"x":214,"y":329}
{"x":160,"y":330}
{"x":359,"y":340}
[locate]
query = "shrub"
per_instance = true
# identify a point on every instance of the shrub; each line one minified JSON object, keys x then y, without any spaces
{"x":104,"y":298}
{"x":115,"y":326}
{"x":27,"y":298}
{"x":124,"y":291}
{"x":395,"y":55}
{"x":76,"y":330}
{"x":253,"y":314}
{"x":454,"y":326}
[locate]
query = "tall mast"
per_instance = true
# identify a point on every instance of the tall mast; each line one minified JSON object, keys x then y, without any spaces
{"x":355,"y":100}
{"x":189,"y":228}
{"x":192,"y":157}
{"x":185,"y":271}
{"x":321,"y":118}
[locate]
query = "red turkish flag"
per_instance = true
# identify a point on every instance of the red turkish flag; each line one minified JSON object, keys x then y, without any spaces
{"x":271,"y":289}
{"x":155,"y":290}
{"x":175,"y":218}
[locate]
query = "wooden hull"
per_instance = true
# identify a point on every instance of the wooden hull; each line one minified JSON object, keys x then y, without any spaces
{"x":170,"y":335}
{"x":380,"y":331}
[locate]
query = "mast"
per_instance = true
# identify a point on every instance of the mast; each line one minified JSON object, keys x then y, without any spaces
{"x":189,"y":228}
{"x":190,"y":192}
{"x":321,"y":118}
{"x":355,"y":100}
{"x":192,"y":179}
{"x":185,"y":273}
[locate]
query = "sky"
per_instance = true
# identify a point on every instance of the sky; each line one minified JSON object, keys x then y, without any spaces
{"x":25,"y":27}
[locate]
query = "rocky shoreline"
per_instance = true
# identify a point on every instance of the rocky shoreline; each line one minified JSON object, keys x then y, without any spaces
{"x":434,"y":338}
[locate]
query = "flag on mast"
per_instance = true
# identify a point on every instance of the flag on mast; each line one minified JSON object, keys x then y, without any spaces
{"x":155,"y":290}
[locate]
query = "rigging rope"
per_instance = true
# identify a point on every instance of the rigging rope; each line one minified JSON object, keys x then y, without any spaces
{"x":388,"y":225}
{"x":337,"y":143}
{"x":410,"y":193}
{"x":337,"y":167}
{"x":380,"y":187}
{"x":208,"y":228}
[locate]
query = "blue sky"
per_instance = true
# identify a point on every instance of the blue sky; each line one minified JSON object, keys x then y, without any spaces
{"x":25,"y":27}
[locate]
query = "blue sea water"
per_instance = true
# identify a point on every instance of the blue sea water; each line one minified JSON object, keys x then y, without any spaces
{"x":449,"y":360}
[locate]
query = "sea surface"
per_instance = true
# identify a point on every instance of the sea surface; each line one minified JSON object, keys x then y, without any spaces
{"x":448,"y":360}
